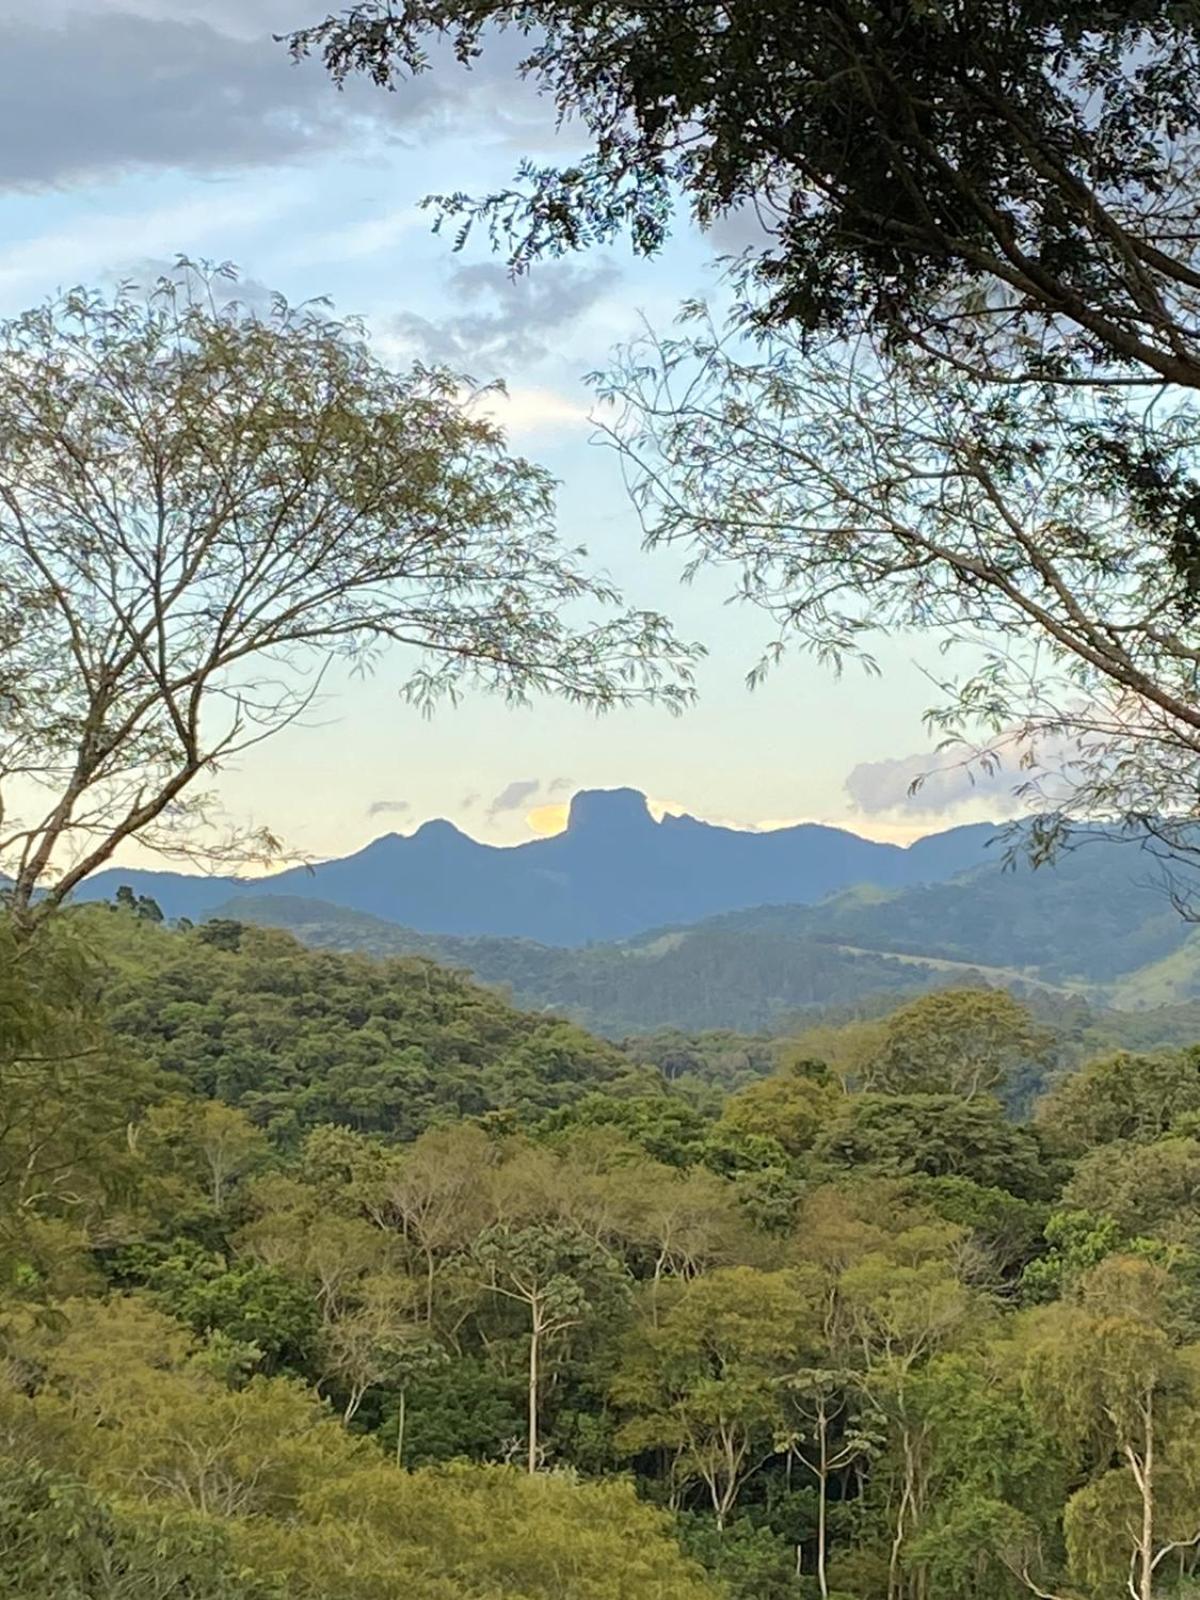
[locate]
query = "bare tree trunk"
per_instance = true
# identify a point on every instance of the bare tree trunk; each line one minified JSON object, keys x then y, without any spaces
{"x":401,"y":1418}
{"x":1145,"y":1482}
{"x":822,"y":1482}
{"x":907,"y":1503}
{"x":534,"y":1338}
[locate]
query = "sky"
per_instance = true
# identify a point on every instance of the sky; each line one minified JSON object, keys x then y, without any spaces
{"x":132,"y":131}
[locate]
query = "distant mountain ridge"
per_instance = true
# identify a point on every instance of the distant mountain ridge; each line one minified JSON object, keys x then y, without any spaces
{"x":612,"y":874}
{"x":1090,"y":931}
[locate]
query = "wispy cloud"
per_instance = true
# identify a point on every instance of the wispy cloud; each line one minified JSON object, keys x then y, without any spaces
{"x":932,"y":784}
{"x":388,"y":808}
{"x":130,"y":238}
{"x":513,"y":796}
{"x":499,"y":321}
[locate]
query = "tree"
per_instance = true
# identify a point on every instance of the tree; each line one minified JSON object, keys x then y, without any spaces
{"x":459,"y":1531}
{"x":957,"y":1041}
{"x":899,"y":1308}
{"x":938,"y":1136}
{"x":59,"y":1539}
{"x":1010,"y":184}
{"x":1107,"y":1376}
{"x":380,"y":1344}
{"x":552,"y":1272}
{"x":820,"y":1398}
{"x":434,"y":1192}
{"x":201,"y":508}
{"x":69,"y":1093}
{"x":1142,"y":1188}
{"x":1122,"y":1096}
{"x":208,"y":1139}
{"x":1053,"y":545}
{"x":1008,"y":188}
{"x":789,"y":1106}
{"x":706,"y":1383}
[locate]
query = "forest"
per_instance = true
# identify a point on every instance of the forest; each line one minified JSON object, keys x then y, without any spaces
{"x":333,"y":1276}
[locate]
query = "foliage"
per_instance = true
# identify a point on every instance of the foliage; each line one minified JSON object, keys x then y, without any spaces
{"x":854,"y":494}
{"x":63,"y":1542}
{"x":1009,"y":185}
{"x":202,"y":508}
{"x":820,"y":1338}
{"x":296,"y":1038}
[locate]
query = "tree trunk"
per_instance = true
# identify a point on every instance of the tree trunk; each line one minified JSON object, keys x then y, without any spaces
{"x":822,"y":1482}
{"x":1146,"y":1483}
{"x":907,"y":1504}
{"x":401,"y":1417}
{"x":534,"y":1338}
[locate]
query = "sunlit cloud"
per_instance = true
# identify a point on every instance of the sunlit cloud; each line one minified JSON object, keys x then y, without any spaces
{"x":545,"y":821}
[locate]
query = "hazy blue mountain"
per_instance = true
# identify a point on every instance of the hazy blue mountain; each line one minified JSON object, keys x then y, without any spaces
{"x":1095,"y":925}
{"x":613,"y":873}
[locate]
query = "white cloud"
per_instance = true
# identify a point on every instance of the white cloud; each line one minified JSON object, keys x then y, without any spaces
{"x":521,"y":412}
{"x":363,"y":240}
{"x":111,"y":241}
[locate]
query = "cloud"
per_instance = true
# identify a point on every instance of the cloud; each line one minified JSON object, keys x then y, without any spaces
{"x":548,"y":819}
{"x":524,"y":411}
{"x":388,"y":808}
{"x":74,"y":252}
{"x":506,"y":321}
{"x":469,"y":802}
{"x":100,"y":89}
{"x":558,"y":785}
{"x":363,"y":239}
{"x":514,"y":795}
{"x":944,"y":782}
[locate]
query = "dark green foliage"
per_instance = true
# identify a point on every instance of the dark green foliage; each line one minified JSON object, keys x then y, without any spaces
{"x":59,"y":1541}
{"x":464,"y":1410}
{"x":1009,"y":1228}
{"x":299,"y":1038}
{"x":938,"y":1136}
{"x":1098,"y":917}
{"x":665,"y":1127}
{"x":248,"y":1303}
{"x":751,"y":1562}
{"x":903,"y":159}
{"x":700,"y":978}
{"x":771,"y":1317}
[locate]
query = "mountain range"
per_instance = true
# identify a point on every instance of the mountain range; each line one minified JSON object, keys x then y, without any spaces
{"x":1094,"y":930}
{"x":629,"y":925}
{"x":612,"y":874}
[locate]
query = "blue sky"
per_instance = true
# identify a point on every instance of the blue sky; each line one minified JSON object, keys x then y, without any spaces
{"x":133,"y":130}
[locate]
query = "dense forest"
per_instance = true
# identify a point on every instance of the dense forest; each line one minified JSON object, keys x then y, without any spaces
{"x":327,"y":1276}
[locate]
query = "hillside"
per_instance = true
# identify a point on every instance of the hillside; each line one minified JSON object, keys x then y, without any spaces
{"x":612,"y":874}
{"x":1096,"y":925}
{"x":1098,"y":913}
{"x":691,"y":978}
{"x":299,"y":1037}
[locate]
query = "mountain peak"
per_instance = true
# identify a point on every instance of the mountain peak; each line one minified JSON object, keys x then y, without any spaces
{"x":438,"y":828}
{"x":609,"y":810}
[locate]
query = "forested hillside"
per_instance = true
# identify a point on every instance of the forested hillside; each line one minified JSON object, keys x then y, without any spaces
{"x":332,"y":1277}
{"x":1098,"y":924}
{"x":684,"y":978}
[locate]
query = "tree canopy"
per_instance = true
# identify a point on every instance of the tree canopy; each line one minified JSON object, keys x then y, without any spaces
{"x":1012,"y":185}
{"x":339,"y":1277}
{"x":202,"y":506}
